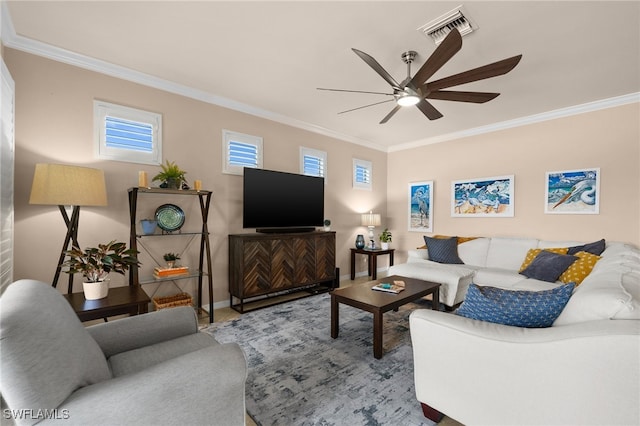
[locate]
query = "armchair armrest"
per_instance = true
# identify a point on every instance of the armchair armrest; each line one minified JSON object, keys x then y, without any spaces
{"x":583,"y":373}
{"x":143,"y":330}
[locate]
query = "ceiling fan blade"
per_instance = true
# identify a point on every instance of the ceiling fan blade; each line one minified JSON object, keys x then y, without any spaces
{"x":428,"y":110}
{"x":445,"y":51}
{"x":388,"y":116}
{"x":377,"y":68}
{"x":365,"y":106}
{"x":354,"y":91}
{"x":487,"y":71}
{"x":451,"y":95}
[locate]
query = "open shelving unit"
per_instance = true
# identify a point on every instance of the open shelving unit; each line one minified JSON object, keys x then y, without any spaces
{"x":204,"y":258}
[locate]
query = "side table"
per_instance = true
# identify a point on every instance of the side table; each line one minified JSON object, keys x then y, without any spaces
{"x":372,"y":261}
{"x":130,"y":300}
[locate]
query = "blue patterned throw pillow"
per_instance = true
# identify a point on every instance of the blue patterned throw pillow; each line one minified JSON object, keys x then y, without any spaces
{"x":519,"y":308}
{"x":443,"y":250}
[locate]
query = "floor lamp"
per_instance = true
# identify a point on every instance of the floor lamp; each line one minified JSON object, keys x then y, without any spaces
{"x":371,"y":220}
{"x":65,"y":185}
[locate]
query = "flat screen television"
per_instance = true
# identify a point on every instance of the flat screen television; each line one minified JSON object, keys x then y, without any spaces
{"x":282,"y":202}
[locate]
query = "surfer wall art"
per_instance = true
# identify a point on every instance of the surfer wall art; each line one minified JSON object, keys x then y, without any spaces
{"x":573,"y":192}
{"x":484,"y":197}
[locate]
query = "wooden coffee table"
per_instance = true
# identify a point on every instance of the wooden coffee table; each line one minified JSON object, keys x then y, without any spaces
{"x":361,"y":296}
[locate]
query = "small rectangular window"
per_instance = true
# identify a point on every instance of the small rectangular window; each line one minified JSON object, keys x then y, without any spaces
{"x":127,"y":134}
{"x":240,"y":151}
{"x":313,"y":162}
{"x":362,"y":174}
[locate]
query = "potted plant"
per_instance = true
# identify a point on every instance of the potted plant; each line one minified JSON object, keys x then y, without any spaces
{"x":385,"y":239}
{"x":327,"y":225}
{"x":171,"y":258}
{"x":171,"y":176}
{"x":95,"y":264}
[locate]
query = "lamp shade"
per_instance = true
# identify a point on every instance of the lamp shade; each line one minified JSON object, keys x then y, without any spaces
{"x":64,"y":185}
{"x":371,"y":219}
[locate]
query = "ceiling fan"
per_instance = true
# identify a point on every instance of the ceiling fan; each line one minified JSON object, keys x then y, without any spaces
{"x":416,"y":90}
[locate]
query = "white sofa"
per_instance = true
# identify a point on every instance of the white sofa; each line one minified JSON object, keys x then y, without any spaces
{"x":585,"y":369}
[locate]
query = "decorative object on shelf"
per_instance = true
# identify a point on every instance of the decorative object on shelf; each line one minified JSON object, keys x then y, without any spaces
{"x":143,"y":181}
{"x":371,"y":220}
{"x":360,"y":241}
{"x":197,"y":185}
{"x":421,"y":206}
{"x":172,"y":272}
{"x":171,"y":258}
{"x":95,"y":264}
{"x":385,"y":239}
{"x":327,"y":225}
{"x":148,"y":226}
{"x":65,"y":185}
{"x":170,"y":217}
{"x":172,"y":176}
{"x":180,"y":299}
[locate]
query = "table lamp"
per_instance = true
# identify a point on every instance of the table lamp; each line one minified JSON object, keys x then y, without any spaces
{"x":65,"y":185}
{"x":371,"y":220}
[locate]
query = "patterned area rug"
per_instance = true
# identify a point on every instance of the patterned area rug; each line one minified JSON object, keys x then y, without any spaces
{"x":299,"y":375}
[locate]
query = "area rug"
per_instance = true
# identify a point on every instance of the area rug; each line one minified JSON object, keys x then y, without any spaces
{"x":299,"y":375}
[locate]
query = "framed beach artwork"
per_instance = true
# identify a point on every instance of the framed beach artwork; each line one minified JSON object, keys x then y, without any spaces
{"x":484,"y":197}
{"x":421,"y":206}
{"x":573,"y":192}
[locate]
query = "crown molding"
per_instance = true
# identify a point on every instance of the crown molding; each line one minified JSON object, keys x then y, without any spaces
{"x":524,"y":121}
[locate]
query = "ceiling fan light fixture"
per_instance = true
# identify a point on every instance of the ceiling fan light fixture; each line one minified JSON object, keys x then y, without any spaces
{"x":407,"y":100}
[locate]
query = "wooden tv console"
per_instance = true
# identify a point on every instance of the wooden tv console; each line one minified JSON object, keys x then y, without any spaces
{"x":271,"y":264}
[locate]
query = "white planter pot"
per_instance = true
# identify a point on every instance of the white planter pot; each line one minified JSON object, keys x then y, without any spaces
{"x":385,"y":246}
{"x":94,"y":291}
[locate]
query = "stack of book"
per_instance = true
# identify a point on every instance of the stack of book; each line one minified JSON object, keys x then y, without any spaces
{"x":178,"y":271}
{"x":396,"y":287}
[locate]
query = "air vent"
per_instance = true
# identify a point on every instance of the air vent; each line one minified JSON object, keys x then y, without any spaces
{"x":438,"y":29}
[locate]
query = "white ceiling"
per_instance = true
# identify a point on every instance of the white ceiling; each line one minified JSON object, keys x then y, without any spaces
{"x":268,"y":58}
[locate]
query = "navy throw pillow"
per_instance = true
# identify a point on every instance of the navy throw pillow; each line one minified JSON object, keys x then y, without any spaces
{"x":519,"y":308}
{"x":548,"y":266}
{"x":443,"y":250}
{"x":597,"y":247}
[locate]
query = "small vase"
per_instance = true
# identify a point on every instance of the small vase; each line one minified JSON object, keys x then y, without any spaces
{"x":360,"y":241}
{"x":94,"y":291}
{"x":385,"y":246}
{"x":173,"y":183}
{"x":148,"y":226}
{"x":171,"y":263}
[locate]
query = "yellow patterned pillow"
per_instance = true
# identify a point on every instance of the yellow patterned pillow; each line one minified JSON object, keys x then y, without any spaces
{"x":532,"y":253}
{"x":579,"y":269}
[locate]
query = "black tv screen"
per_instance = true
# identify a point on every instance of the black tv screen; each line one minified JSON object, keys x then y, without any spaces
{"x":278,"y":200}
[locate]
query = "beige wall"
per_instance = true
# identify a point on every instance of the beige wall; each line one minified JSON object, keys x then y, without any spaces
{"x":54,"y":123}
{"x":608,"y":139}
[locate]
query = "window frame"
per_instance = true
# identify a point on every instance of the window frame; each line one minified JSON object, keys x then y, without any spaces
{"x":364,"y":164}
{"x":102,"y":109}
{"x":229,"y":136}
{"x":311,"y":152}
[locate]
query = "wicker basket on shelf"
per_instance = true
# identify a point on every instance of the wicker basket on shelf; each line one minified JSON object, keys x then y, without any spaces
{"x":180,"y":299}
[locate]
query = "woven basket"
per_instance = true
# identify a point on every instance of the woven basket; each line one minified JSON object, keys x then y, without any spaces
{"x":180,"y":299}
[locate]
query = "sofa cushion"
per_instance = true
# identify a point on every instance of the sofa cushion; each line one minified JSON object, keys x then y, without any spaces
{"x":519,"y":308}
{"x":39,"y":328}
{"x":474,"y":252}
{"x":580,"y":269}
{"x":532,"y":253}
{"x":597,"y":247}
{"x":443,"y":250}
{"x":548,"y":266}
{"x":497,"y":277}
{"x":507,"y":253}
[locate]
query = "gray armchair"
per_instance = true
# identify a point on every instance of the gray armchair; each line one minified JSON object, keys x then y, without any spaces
{"x":150,"y":369}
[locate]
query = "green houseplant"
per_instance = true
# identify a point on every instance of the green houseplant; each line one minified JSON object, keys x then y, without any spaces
{"x":171,"y":258}
{"x":171,"y":175}
{"x":385,"y":238}
{"x":95,"y":264}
